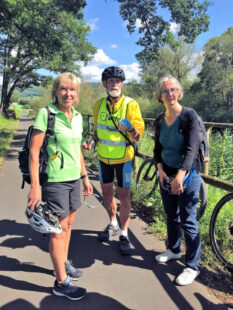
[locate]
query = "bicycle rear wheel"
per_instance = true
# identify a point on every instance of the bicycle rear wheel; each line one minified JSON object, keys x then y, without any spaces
{"x":202,"y":200}
{"x":221,"y":231}
{"x":147,"y":178}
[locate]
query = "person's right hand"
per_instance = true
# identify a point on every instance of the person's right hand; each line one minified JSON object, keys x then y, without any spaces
{"x":86,"y":145}
{"x":34,"y":197}
{"x":163,"y":177}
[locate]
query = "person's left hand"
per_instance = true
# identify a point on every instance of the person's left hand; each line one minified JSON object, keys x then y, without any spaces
{"x":87,"y":187}
{"x":177,"y":186}
{"x":124,"y":125}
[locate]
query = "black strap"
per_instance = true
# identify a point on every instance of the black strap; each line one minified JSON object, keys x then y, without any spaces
{"x":50,"y":129}
{"x":50,"y":132}
{"x":134,"y":144}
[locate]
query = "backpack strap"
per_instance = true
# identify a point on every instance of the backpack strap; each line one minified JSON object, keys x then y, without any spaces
{"x":50,"y":132}
{"x":134,"y":144}
{"x":50,"y":129}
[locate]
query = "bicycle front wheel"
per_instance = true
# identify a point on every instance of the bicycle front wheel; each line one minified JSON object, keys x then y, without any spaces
{"x":147,"y":178}
{"x":221,"y":231}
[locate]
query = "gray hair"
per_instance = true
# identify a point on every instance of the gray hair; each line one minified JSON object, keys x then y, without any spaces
{"x":159,"y":87}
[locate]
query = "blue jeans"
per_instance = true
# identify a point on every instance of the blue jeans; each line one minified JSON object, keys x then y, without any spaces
{"x":181,"y":214}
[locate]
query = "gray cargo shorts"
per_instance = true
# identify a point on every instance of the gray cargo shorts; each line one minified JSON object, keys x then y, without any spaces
{"x":62,"y":197}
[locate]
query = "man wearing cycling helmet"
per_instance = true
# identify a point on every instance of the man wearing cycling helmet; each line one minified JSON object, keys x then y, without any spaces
{"x":118,"y":123}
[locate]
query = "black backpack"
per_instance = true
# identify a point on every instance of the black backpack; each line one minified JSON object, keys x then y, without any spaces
{"x":203,"y":143}
{"x":23,"y":156}
{"x":203,"y":149}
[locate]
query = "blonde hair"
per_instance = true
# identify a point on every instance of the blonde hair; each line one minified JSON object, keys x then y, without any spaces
{"x":159,"y":87}
{"x":64,"y":76}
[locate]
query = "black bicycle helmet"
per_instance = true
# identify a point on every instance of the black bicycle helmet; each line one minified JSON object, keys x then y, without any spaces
{"x":113,"y":72}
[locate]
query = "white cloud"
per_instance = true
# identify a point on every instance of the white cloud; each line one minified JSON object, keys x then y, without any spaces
{"x":91,"y":73}
{"x":138,"y":23}
{"x":101,"y":59}
{"x":93,"y":23}
{"x":14,"y":52}
{"x":132,"y":71}
{"x":113,"y":46}
{"x":175,"y":28}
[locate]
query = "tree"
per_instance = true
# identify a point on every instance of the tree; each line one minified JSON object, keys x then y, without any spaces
{"x":216,"y":76}
{"x":189,"y":14}
{"x":36,"y":34}
{"x":15,"y":96}
{"x":179,"y":61}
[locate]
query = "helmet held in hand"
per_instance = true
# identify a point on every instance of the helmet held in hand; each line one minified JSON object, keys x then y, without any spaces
{"x":42,"y":220}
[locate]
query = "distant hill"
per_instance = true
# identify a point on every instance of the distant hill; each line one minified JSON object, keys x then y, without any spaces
{"x":30,"y":92}
{"x":35,"y":91}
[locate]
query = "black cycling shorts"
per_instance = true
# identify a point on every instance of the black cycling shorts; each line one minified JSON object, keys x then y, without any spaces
{"x":123,"y":173}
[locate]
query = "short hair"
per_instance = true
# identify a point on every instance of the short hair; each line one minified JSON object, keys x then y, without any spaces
{"x":159,"y":87}
{"x":63,"y":76}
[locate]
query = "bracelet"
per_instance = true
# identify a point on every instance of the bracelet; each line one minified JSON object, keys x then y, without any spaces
{"x":83,"y":176}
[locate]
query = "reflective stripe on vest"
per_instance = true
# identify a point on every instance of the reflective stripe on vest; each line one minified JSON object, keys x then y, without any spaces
{"x":101,"y":126}
{"x":111,"y":143}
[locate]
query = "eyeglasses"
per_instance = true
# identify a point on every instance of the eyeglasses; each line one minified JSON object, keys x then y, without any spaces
{"x":166,"y":92}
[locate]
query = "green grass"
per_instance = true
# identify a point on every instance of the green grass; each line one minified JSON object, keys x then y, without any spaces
{"x":8,"y":128}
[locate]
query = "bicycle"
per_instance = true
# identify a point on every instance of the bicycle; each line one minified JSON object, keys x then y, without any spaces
{"x":147,"y":180}
{"x":221,"y":231}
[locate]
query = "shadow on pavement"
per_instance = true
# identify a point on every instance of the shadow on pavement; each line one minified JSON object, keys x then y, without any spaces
{"x":12,"y":264}
{"x":22,"y":285}
{"x":85,"y":249}
{"x":22,"y":235}
{"x":92,"y":301}
{"x":212,"y":306}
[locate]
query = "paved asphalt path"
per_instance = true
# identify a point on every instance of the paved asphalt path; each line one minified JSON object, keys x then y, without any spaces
{"x":113,"y":282}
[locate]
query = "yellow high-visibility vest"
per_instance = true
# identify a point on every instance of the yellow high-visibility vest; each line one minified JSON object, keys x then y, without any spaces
{"x":111,"y":143}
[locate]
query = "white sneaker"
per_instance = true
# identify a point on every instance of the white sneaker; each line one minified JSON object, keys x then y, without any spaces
{"x":187,"y":276}
{"x":166,"y":256}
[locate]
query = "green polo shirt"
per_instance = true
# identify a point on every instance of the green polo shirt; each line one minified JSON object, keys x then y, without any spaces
{"x":69,"y":136}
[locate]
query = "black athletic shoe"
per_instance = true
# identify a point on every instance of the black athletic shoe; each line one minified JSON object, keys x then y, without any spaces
{"x":124,"y":244}
{"x":71,"y":271}
{"x":108,"y":232}
{"x":69,"y":289}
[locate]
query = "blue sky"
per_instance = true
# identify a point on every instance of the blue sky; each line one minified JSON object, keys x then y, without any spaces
{"x":116,"y":47}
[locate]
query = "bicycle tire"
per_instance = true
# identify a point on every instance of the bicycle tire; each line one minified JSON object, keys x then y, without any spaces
{"x":221,"y":231}
{"x":202,"y":200}
{"x":147,"y":178}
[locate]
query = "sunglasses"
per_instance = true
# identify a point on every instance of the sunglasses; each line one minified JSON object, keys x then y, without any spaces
{"x":92,"y":206}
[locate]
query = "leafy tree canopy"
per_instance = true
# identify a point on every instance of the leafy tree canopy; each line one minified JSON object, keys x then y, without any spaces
{"x":216,"y":76}
{"x":189,"y":14}
{"x":48,"y":34}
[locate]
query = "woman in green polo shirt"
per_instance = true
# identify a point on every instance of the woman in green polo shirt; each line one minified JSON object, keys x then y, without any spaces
{"x":65,"y":169}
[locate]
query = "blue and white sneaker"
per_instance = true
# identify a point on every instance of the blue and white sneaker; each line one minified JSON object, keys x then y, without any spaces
{"x":69,"y":289}
{"x":72,"y":271}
